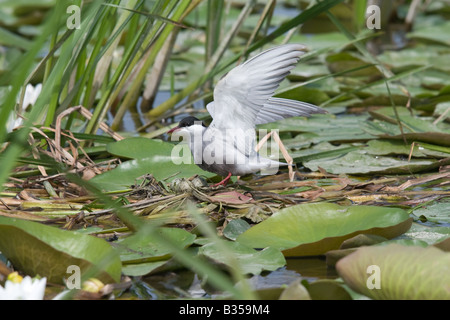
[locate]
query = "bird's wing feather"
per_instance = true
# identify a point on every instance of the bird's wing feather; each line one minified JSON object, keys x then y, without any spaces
{"x":278,"y":108}
{"x":240,"y":95}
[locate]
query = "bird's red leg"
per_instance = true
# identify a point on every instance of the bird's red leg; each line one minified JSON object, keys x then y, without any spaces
{"x":224,"y":181}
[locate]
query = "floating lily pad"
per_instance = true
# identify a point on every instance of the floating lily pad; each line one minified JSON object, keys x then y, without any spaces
{"x":357,"y":162}
{"x":399,"y":272}
{"x":438,"y":33}
{"x":310,"y":95}
{"x":414,"y":129}
{"x":143,"y":253}
{"x":234,"y":228}
{"x":140,"y":269}
{"x":314,"y":229}
{"x":248,"y":260}
{"x":149,"y":157}
{"x":390,"y":147}
{"x":344,"y":61}
{"x":429,"y":235}
{"x":37,"y":249}
{"x":142,"y":248}
{"x":435,"y":212}
{"x":326,"y":289}
{"x":323,"y":150}
{"x":295,"y":291}
{"x":322,"y":127}
{"x":139,"y":148}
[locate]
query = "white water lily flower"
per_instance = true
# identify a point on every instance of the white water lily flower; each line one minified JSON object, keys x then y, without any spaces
{"x":30,"y":97}
{"x":31,"y":94}
{"x":27,"y":289}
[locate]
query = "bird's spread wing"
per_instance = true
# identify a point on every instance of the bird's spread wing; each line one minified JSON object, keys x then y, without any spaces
{"x":278,"y":108}
{"x":242,"y":93}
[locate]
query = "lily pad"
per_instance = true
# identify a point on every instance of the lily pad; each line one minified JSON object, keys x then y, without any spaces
{"x":357,"y":162}
{"x":140,"y":269}
{"x":315,"y":228}
{"x":390,"y":147}
{"x":37,"y":249}
{"x":149,"y":157}
{"x":143,"y":248}
{"x":344,"y":61}
{"x":138,"y":148}
{"x":415,"y":129}
{"x":321,"y":128}
{"x":399,"y":272}
{"x":435,"y":212}
{"x":306,"y":94}
{"x":326,"y":289}
{"x":323,"y":150}
{"x":438,"y":33}
{"x":248,"y":260}
{"x":234,"y":228}
{"x":295,"y":291}
{"x":429,"y":235}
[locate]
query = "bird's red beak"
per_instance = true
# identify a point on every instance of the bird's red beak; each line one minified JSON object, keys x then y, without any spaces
{"x":173,"y":130}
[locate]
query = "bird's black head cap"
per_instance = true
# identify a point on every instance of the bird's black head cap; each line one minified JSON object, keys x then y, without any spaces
{"x":189,"y":121}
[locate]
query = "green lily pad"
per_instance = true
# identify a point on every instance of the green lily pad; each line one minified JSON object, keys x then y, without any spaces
{"x":415,"y":129}
{"x":321,"y":40}
{"x":429,"y":235}
{"x":398,"y":272}
{"x":405,"y":242}
{"x":326,"y":289}
{"x":322,"y":150}
{"x":390,"y":147}
{"x":315,"y":228}
{"x":437,"y":33}
{"x":436,"y":212}
{"x":306,"y":94}
{"x":143,"y":247}
{"x":322,"y":127}
{"x":141,"y":269}
{"x":248,"y":260}
{"x":149,"y":157}
{"x":295,"y":291}
{"x":357,"y":162}
{"x":139,"y":148}
{"x":234,"y":228}
{"x":37,"y":249}
{"x":343,"y":61}
{"x":441,"y":108}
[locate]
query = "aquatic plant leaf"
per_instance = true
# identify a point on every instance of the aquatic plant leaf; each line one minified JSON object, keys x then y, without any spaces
{"x":391,"y":147}
{"x":399,"y":272}
{"x":357,"y":162}
{"x":248,"y":260}
{"x":295,"y":291}
{"x":141,"y":269}
{"x":436,"y":212}
{"x":234,"y":228}
{"x":343,"y":61}
{"x":326,"y":289}
{"x":37,"y":249}
{"x":315,"y":228}
{"x":431,"y":236}
{"x":305,"y":94}
{"x":143,"y":247}
{"x":438,"y":33}
{"x":415,"y":129}
{"x":149,"y":157}
{"x":138,"y":148}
